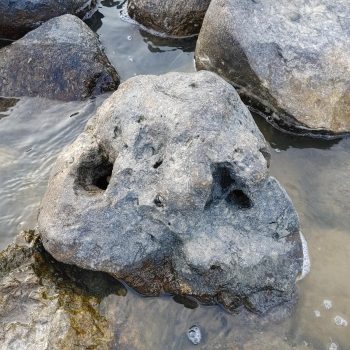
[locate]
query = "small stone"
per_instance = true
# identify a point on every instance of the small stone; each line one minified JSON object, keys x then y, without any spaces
{"x":333,"y":346}
{"x":317,"y":313}
{"x":194,"y":334}
{"x":327,"y":304}
{"x":340,"y":321}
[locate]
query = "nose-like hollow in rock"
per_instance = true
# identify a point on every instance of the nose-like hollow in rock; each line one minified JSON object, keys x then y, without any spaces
{"x":94,"y":171}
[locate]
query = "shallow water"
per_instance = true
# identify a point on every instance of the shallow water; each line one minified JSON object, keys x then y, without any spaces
{"x":315,"y":173}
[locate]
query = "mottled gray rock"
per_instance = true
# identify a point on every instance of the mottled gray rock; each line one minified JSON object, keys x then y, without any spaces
{"x":42,"y":307}
{"x":62,"y":59}
{"x":171,"y":17}
{"x":17,"y":17}
{"x":290,"y":59}
{"x":168,"y":189}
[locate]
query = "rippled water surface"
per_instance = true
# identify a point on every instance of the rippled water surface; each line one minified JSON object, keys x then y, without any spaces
{"x":315,"y":173}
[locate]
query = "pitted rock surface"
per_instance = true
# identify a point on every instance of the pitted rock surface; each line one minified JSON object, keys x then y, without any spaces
{"x":289,"y":59}
{"x":171,"y":17}
{"x":168,"y":189}
{"x":17,"y":17}
{"x":62,"y":59}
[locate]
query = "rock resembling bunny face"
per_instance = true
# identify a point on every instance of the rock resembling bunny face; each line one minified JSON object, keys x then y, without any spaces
{"x":168,"y":189}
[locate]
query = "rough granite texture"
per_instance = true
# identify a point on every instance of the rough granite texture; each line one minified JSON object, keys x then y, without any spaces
{"x":62,"y":59}
{"x":171,"y":17}
{"x":168,"y":189}
{"x":290,"y":59}
{"x":45,"y":305}
{"x":17,"y":17}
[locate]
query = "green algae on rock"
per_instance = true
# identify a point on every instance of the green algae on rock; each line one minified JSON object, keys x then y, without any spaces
{"x":46,"y":305}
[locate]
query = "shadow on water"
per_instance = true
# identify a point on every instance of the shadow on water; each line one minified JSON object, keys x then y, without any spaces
{"x":282,"y":141}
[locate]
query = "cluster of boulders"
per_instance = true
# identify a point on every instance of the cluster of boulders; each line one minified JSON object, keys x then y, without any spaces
{"x":288,"y":59}
{"x":168,"y":187}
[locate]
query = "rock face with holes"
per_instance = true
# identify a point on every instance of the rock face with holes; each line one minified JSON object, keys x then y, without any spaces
{"x":289,"y":59}
{"x":171,"y":17}
{"x":168,"y":189}
{"x":17,"y":17}
{"x":57,"y":63}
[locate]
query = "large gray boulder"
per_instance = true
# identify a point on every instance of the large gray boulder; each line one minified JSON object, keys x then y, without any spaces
{"x":17,"y":17}
{"x":171,"y":17}
{"x":168,"y":189}
{"x":289,"y":59}
{"x":62,"y":59}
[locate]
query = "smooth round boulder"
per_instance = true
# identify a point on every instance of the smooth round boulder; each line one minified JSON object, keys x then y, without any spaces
{"x":62,"y":59}
{"x":17,"y":17}
{"x":171,"y":17}
{"x":288,"y":59}
{"x":168,"y":189}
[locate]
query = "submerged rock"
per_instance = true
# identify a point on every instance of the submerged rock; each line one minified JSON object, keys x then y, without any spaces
{"x":62,"y":59}
{"x":17,"y":17}
{"x":171,"y":17}
{"x":168,"y":189}
{"x":42,"y":307}
{"x":290,"y":59}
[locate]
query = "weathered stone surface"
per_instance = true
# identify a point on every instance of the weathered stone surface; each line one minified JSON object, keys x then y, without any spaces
{"x":62,"y":59}
{"x":172,"y":17}
{"x":45,"y":305}
{"x":17,"y":17}
{"x":168,"y":189}
{"x":289,"y":58}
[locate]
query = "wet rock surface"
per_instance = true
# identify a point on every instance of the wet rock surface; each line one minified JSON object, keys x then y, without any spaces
{"x":168,"y":189}
{"x":175,"y":18}
{"x":17,"y":17}
{"x":289,"y":59}
{"x":62,"y":59}
{"x":46,"y":305}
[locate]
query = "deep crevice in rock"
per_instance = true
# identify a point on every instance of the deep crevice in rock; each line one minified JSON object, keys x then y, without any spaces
{"x":94,"y":172}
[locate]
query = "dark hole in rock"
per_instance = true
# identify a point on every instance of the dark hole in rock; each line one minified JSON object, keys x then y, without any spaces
{"x":239,"y":198}
{"x":95,"y":172}
{"x":275,"y":236}
{"x":215,"y":267}
{"x":158,"y":201}
{"x":222,"y":183}
{"x":157,"y":164}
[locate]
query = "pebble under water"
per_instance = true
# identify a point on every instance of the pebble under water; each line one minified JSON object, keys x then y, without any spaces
{"x":314,"y":172}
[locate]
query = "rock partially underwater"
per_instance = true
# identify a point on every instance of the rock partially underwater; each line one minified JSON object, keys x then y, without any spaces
{"x":168,"y":189}
{"x":62,"y":59}
{"x":171,"y":17}
{"x":290,"y":59}
{"x":17,"y":17}
{"x":45,"y":305}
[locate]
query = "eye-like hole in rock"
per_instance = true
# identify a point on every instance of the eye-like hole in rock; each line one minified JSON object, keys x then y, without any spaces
{"x":239,"y":198}
{"x":94,"y":172}
{"x":157,"y":164}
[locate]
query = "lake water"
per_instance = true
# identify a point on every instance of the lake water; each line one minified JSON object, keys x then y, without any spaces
{"x":315,"y":173}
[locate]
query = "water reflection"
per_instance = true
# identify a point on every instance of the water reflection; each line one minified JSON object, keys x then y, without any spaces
{"x":125,"y":47}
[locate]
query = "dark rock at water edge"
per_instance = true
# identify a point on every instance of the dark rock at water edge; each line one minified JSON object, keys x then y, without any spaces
{"x":62,"y":59}
{"x":17,"y":17}
{"x":170,"y":17}
{"x":46,"y":305}
{"x":289,"y":59}
{"x":168,"y":189}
